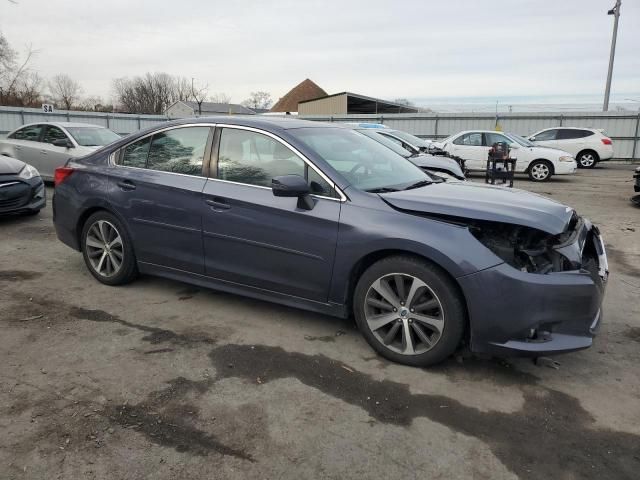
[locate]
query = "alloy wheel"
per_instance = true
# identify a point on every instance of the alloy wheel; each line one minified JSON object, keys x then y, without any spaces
{"x":404,"y":314}
{"x":540,"y":171}
{"x":587,"y":160}
{"x":104,"y":248}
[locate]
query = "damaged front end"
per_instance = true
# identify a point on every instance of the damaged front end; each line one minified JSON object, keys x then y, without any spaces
{"x":579,"y":248}
{"x":547,"y":295}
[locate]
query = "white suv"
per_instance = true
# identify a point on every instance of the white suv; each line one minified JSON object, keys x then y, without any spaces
{"x":588,"y":145}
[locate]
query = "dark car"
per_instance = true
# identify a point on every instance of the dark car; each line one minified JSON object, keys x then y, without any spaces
{"x":320,"y":217}
{"x":636,"y":186}
{"x":21,"y":188}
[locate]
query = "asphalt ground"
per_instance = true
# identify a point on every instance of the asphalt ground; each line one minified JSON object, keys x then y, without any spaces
{"x":159,"y":379}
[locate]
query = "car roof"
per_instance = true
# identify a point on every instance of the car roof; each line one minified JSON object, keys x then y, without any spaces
{"x":63,"y":124}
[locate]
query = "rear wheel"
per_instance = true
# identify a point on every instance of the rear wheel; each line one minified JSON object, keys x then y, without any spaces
{"x":409,"y":311}
{"x":107,"y":249}
{"x":540,"y":170}
{"x":587,"y":159}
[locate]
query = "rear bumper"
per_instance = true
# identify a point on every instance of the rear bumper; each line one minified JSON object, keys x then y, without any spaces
{"x":605,"y":154}
{"x":515,"y":313}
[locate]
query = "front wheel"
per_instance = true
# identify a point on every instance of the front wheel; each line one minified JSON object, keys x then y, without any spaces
{"x":540,"y":171}
{"x":108,"y":250}
{"x":409,"y":311}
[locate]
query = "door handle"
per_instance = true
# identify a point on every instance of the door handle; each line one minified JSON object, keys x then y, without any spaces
{"x":218,"y":205}
{"x":126,"y":185}
{"x":17,"y":147}
{"x":44,"y":152}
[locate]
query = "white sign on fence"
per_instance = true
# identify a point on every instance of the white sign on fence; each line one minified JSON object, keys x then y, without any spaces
{"x":47,"y":108}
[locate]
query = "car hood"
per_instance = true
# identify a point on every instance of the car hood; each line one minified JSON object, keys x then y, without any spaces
{"x":438,"y":163}
{"x":10,"y":166}
{"x":484,"y":202}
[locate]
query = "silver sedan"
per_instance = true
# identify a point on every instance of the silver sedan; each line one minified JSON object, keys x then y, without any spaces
{"x":47,"y":146}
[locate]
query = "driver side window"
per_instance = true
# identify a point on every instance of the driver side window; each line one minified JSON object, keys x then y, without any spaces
{"x":52,"y":134}
{"x":547,"y":135}
{"x":255,"y":159}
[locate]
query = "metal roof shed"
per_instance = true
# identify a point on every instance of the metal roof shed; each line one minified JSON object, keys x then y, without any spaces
{"x":347,"y":102}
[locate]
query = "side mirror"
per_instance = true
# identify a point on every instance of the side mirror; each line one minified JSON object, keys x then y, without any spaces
{"x":532,"y":138}
{"x":63,"y":142}
{"x":293,"y":186}
{"x":514,"y":146}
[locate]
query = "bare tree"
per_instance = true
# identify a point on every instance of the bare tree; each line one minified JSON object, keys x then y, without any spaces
{"x":65,"y":90}
{"x":199,"y":94}
{"x":258,"y":99}
{"x":220,"y":97}
{"x":16,"y":78}
{"x":150,"y":93}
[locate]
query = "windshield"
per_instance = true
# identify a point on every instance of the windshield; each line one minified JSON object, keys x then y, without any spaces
{"x":407,"y":137}
{"x":362,"y":161}
{"x":518,"y":139}
{"x":386,"y":142}
{"x":92,"y":136}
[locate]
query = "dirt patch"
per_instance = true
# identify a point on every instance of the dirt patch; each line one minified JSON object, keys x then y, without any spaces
{"x":166,"y":419}
{"x":622,"y":260}
{"x":633,"y":333}
{"x":37,"y":230}
{"x":155,"y":335}
{"x":551,"y":437}
{"x":13,"y":275}
{"x":325,"y":338}
{"x":187,"y":293}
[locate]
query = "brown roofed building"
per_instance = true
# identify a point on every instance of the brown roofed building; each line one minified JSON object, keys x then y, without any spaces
{"x":305,"y":90}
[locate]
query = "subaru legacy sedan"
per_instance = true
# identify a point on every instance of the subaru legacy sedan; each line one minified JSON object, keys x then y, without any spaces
{"x":320,"y":217}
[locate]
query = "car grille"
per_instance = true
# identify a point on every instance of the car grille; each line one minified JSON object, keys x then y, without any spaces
{"x":14,"y":194}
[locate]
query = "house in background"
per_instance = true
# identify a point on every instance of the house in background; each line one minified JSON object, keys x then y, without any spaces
{"x":305,"y":90}
{"x":184,"y":108}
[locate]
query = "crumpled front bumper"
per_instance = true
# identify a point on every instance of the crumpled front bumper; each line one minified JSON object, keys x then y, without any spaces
{"x":515,"y":313}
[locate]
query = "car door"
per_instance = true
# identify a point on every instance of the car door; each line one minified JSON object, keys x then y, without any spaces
{"x":50,"y":156}
{"x":254,"y":238}
{"x":572,"y":140}
{"x":25,"y":144}
{"x":156,"y":186}
{"x":470,"y":147}
{"x":546,"y":138}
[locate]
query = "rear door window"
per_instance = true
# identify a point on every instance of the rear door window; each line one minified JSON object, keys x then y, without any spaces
{"x":180,"y":150}
{"x":471,"y":139}
{"x":571,"y":133}
{"x":31,"y":133}
{"x":135,"y":154}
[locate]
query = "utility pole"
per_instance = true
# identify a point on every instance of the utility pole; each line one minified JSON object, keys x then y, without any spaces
{"x":615,"y":11}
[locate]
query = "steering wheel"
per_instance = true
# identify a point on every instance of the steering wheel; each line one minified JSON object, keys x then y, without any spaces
{"x":357,"y":166}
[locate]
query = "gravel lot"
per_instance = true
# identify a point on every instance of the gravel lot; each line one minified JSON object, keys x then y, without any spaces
{"x":159,"y":379}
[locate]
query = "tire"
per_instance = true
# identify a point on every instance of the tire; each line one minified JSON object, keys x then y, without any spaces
{"x":119,"y":255}
{"x":587,"y":159}
{"x":540,"y":170}
{"x":435,"y":316}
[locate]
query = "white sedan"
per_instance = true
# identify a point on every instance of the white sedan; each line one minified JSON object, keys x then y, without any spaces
{"x":47,"y":146}
{"x":540,"y":163}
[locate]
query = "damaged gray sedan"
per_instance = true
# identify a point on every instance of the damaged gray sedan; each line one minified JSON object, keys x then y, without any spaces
{"x":320,"y":217}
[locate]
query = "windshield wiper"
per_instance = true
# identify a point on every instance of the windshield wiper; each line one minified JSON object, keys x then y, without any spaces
{"x":382,"y":190}
{"x":419,"y":184}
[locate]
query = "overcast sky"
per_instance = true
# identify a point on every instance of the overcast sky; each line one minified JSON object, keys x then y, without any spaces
{"x":387,"y":49}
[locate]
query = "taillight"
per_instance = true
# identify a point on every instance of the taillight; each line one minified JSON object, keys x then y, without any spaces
{"x":606,"y":141}
{"x":62,"y":173}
